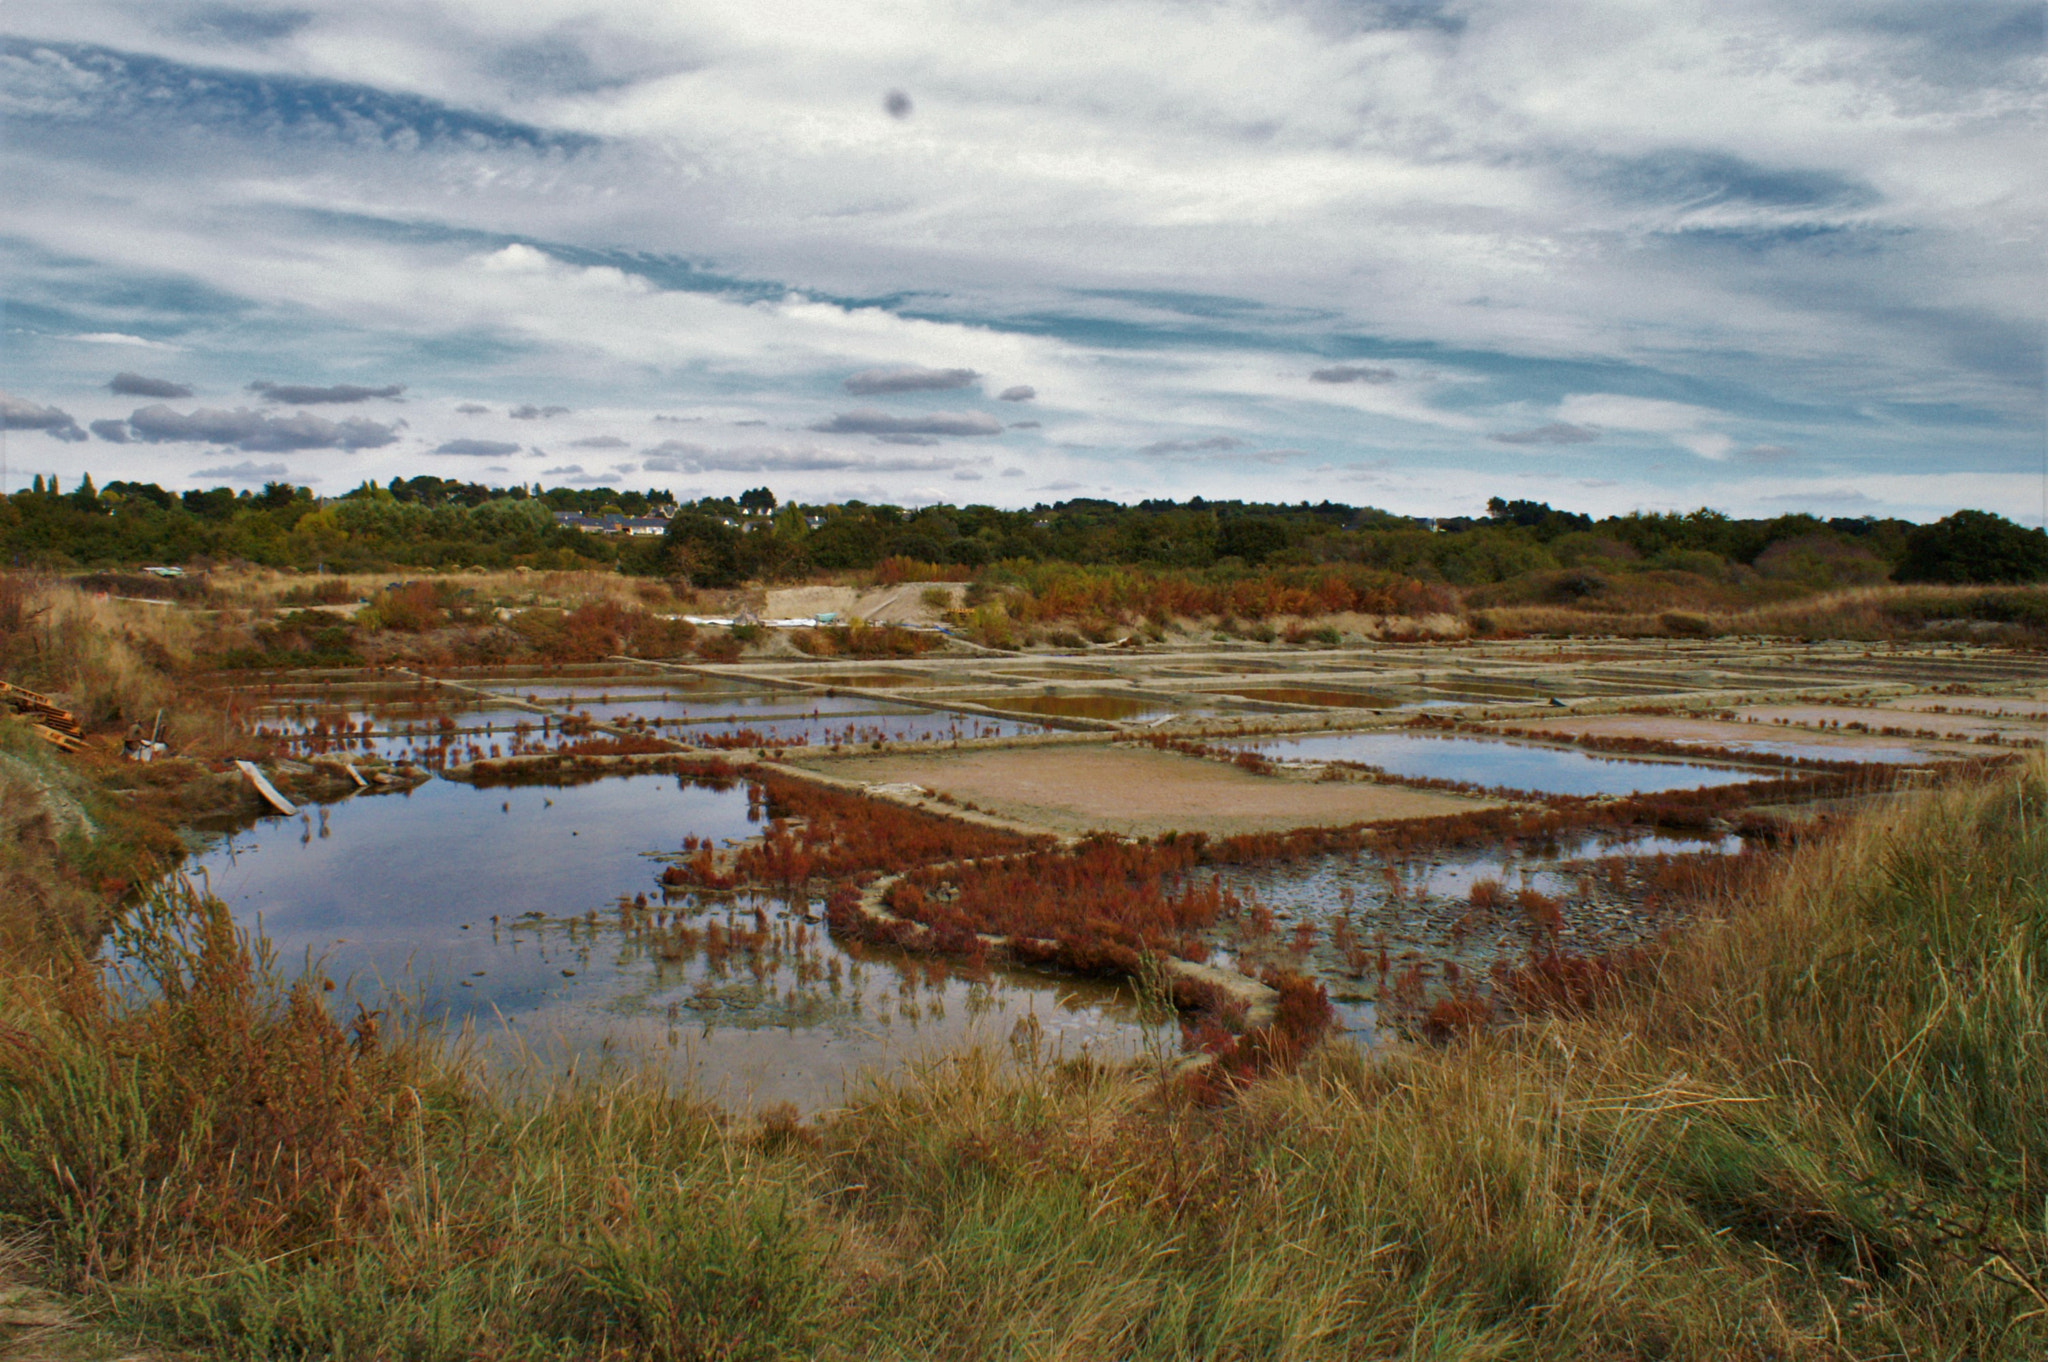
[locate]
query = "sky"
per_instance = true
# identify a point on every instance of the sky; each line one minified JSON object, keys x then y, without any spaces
{"x":1631,"y":254}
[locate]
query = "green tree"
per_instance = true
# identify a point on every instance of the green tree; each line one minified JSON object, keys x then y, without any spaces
{"x":1974,"y":546}
{"x":703,"y":549}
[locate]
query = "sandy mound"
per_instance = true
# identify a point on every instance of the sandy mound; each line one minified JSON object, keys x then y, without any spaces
{"x":904,"y":603}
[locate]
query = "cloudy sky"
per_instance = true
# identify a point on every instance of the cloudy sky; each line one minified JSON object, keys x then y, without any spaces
{"x":1407,"y":253}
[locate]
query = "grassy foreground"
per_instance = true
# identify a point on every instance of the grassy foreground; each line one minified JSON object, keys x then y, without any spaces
{"x":1818,"y":1128}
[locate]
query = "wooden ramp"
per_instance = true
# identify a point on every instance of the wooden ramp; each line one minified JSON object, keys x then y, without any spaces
{"x":266,"y":789}
{"x":53,"y":724}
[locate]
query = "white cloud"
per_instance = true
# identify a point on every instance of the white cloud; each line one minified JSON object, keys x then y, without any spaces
{"x":249,"y":473}
{"x":121,"y":338}
{"x":1682,"y":423}
{"x":1210,"y":178}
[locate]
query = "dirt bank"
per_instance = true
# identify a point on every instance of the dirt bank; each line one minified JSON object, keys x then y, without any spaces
{"x":904,"y":603}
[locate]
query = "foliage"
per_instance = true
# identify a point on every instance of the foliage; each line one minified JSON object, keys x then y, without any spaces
{"x":1975,"y":547}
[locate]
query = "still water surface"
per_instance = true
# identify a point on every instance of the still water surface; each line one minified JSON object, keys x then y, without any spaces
{"x":501,"y":909}
{"x":1493,"y":762}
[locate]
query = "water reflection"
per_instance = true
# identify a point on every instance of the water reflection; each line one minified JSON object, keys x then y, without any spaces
{"x":1493,"y":762}
{"x":535,"y":915}
{"x":1362,"y":924}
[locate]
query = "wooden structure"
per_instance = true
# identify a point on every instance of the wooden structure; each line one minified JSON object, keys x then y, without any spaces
{"x":53,"y":724}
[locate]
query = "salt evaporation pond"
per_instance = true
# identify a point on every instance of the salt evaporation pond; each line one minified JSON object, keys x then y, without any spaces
{"x":1890,"y":754}
{"x":407,"y":723}
{"x":398,"y":892}
{"x":794,"y":717}
{"x":1492,"y":762}
{"x":1419,"y":909}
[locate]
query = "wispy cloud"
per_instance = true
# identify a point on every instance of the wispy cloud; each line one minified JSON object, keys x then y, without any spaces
{"x":575,"y":473}
{"x":121,"y":338}
{"x":311,"y":394}
{"x":18,"y":413}
{"x":908,"y":378}
{"x":1683,"y":423}
{"x":125,"y":384}
{"x":249,"y":473}
{"x":529,"y":412}
{"x":674,"y":456}
{"x":256,"y":432}
{"x":869,"y":422}
{"x":1206,"y":445}
{"x":1353,"y":373}
{"x":1555,"y":433}
{"x":479,"y":449}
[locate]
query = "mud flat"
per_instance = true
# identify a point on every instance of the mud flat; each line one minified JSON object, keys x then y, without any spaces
{"x":1140,"y":792}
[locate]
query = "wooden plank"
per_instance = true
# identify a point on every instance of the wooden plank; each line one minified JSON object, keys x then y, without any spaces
{"x":64,"y":742}
{"x":266,"y":789}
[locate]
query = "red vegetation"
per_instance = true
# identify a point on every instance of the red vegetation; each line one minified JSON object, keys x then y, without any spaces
{"x":818,"y":833}
{"x":614,"y":747}
{"x":1301,"y":1017}
{"x":601,"y":629}
{"x":1567,"y":984}
{"x":1455,"y":1015}
{"x":1097,"y":908}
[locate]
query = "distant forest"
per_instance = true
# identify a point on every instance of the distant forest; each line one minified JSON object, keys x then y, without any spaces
{"x":429,"y":522}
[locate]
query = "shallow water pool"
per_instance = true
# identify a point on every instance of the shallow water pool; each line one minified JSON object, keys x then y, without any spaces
{"x":1494,"y":762}
{"x":512,"y":912}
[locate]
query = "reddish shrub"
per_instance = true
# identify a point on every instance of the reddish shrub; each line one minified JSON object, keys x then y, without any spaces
{"x":1455,"y":1015}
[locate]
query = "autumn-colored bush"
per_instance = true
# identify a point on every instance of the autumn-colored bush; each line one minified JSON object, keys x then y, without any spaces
{"x":599,"y":629}
{"x":1099,"y":907}
{"x":1456,"y":1015}
{"x":414,"y":607}
{"x":815,"y":833}
{"x":718,"y":647}
{"x":1301,"y":1017}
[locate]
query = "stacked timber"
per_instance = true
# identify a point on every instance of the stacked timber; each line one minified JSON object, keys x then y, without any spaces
{"x":54,"y":724}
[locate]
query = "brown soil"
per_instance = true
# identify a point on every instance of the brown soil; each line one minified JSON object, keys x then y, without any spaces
{"x":1140,"y":792}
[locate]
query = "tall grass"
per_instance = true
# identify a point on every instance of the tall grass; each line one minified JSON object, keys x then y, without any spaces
{"x":109,"y":660}
{"x":2013,"y":615}
{"x":1817,"y":1128}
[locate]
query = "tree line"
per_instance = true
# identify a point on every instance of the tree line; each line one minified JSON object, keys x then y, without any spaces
{"x":428,"y":521}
